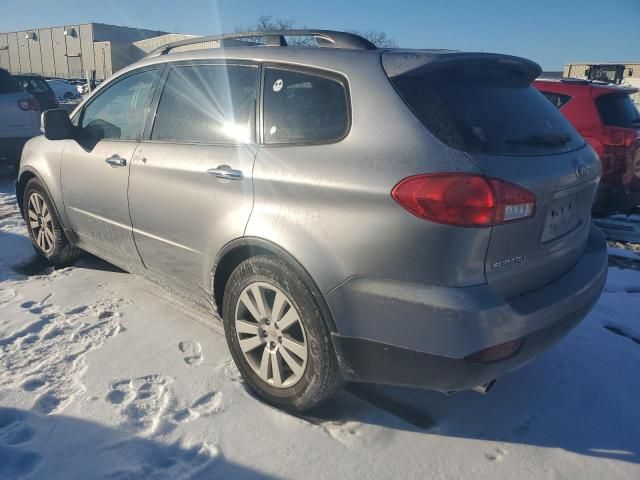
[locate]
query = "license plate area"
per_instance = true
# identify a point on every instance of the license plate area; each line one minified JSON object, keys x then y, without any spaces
{"x":563,"y":216}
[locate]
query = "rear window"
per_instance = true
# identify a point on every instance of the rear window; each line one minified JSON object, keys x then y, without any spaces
{"x":34,"y":84}
{"x":8,"y":83}
{"x":487,"y":110}
{"x":618,"y":111}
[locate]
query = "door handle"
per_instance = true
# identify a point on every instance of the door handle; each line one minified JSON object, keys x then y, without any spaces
{"x":116,"y":161}
{"x":225,"y":172}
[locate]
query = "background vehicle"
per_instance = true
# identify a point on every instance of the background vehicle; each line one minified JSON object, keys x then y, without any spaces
{"x":19,"y":119}
{"x":438,"y":236}
{"x":39,"y":88}
{"x":64,"y":90}
{"x":607,"y":118}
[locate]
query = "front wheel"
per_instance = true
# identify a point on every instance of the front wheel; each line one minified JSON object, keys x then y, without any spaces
{"x":44,"y":228}
{"x":276,"y":335}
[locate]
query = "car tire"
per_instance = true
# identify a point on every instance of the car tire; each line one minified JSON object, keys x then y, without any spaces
{"x":45,"y":230}
{"x":262,"y":300}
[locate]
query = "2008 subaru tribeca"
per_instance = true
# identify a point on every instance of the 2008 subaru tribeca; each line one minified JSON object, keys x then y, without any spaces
{"x":409,"y":217}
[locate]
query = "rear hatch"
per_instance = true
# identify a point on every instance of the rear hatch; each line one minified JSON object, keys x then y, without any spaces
{"x":484,"y":105}
{"x":14,"y":121}
{"x":619,"y":137}
{"x":40,"y":89}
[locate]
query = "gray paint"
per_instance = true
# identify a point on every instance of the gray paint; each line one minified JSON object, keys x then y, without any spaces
{"x":385,"y":274}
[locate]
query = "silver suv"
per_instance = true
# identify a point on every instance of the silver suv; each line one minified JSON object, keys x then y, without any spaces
{"x":408,"y":217}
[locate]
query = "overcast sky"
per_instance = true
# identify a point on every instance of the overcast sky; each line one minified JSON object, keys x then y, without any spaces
{"x":551,"y":32}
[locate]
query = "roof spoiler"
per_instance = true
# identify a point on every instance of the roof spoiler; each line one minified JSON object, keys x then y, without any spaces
{"x":415,"y":63}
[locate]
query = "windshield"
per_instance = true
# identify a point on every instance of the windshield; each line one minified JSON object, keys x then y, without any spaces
{"x":489,"y":110}
{"x":618,"y":110}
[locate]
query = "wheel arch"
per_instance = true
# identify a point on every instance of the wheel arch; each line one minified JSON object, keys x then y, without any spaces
{"x":27,"y":173}
{"x":239,"y":250}
{"x":21,"y":184}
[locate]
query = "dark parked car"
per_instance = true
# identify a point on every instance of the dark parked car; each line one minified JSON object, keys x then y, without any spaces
{"x":605,"y":115}
{"x":414,"y":217}
{"x":39,"y":88}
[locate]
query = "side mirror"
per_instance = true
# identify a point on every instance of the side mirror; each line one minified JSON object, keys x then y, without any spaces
{"x":56,"y":125}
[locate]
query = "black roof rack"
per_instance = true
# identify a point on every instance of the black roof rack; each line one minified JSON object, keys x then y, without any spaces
{"x":325,"y":38}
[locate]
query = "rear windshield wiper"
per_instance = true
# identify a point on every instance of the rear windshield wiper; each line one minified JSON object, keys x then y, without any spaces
{"x":547,"y":140}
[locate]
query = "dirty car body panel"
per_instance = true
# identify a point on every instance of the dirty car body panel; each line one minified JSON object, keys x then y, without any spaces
{"x":409,"y":301}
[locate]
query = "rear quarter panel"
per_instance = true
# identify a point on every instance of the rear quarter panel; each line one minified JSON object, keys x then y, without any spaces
{"x":330,"y":206}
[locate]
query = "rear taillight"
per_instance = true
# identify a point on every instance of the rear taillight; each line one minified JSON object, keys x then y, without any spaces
{"x":464,"y":200}
{"x":29,"y":104}
{"x":617,"y":148}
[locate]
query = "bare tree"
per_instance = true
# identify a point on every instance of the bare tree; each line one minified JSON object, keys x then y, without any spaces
{"x":378,"y":38}
{"x":267,"y":22}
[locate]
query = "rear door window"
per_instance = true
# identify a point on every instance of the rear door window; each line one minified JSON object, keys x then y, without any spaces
{"x":557,"y":99}
{"x":618,"y":110}
{"x":304,"y":107}
{"x":208,"y":104}
{"x":7,"y":83}
{"x":487,"y":110}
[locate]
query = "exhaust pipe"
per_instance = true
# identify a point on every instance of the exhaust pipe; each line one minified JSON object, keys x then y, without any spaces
{"x":484,"y":388}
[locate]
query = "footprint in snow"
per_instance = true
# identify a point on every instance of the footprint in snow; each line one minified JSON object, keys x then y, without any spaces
{"x":154,"y":460}
{"x":32,"y":384}
{"x":13,"y":430}
{"x":193,"y":352}
{"x":205,"y":406}
{"x":142,"y":400}
{"x":6,"y":295}
{"x":496,"y":456}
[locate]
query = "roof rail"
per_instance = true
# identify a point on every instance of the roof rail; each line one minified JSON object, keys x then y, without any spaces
{"x":325,"y":38}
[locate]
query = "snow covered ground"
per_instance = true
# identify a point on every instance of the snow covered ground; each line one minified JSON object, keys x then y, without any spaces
{"x":105,"y":375}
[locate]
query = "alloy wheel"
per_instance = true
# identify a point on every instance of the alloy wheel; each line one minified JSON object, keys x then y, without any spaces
{"x":41,"y":223}
{"x":271,"y":335}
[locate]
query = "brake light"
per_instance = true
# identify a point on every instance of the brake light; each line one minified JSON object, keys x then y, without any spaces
{"x":465,"y":200}
{"x":29,"y":104}
{"x":616,"y":147}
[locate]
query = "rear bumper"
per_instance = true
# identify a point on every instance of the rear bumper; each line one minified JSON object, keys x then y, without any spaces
{"x":405,"y":334}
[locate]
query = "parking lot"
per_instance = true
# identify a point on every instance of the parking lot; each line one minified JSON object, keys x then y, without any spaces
{"x":142,"y":386}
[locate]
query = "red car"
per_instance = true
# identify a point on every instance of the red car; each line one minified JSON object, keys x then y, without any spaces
{"x":607,"y":118}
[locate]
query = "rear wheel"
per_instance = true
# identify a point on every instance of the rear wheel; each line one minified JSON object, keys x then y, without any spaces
{"x":44,"y":228}
{"x":277,"y":336}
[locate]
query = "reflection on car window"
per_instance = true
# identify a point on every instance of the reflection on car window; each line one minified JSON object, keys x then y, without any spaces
{"x":33,"y":84}
{"x":208,"y":104}
{"x":303,"y":108}
{"x":119,"y":112}
{"x":490,"y":110}
{"x":557,"y":99}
